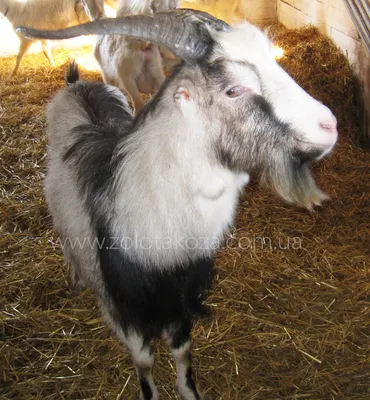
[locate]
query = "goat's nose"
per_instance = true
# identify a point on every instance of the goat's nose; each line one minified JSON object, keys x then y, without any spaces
{"x":329,"y":126}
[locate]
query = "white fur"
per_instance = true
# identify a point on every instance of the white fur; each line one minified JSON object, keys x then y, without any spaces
{"x":196,"y":197}
{"x":181,"y":357}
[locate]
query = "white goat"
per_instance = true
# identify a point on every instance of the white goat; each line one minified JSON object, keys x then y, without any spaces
{"x":133,"y":66}
{"x":151,"y":197}
{"x":47,"y":14}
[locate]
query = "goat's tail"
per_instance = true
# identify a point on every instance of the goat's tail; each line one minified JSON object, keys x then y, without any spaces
{"x":72,"y":74}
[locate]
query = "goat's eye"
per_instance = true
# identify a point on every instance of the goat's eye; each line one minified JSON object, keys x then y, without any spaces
{"x":236,"y":91}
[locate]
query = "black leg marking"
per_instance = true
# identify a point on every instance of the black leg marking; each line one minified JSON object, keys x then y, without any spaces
{"x":145,"y":389}
{"x":143,"y":358}
{"x":179,"y":341}
{"x":190,"y":382}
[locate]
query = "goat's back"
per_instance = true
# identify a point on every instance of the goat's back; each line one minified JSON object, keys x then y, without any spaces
{"x":85,"y":106}
{"x":46,"y":14}
{"x":85,"y":122}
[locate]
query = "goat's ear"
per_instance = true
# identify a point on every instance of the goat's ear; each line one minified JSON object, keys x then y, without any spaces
{"x":183,"y":97}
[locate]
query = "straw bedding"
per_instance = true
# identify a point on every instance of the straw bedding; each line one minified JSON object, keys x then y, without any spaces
{"x":290,"y":304}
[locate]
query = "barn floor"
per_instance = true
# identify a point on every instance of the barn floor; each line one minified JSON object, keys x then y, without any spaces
{"x":290,"y":313}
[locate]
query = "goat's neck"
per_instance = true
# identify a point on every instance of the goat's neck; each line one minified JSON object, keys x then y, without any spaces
{"x":169,"y":186}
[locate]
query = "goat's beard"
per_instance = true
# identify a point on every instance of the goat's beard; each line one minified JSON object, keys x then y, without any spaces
{"x":292,"y":180}
{"x":273,"y":154}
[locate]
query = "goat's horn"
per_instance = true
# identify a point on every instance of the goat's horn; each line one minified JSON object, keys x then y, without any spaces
{"x":183,"y":31}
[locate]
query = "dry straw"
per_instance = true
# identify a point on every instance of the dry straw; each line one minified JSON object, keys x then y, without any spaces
{"x":290,"y":315}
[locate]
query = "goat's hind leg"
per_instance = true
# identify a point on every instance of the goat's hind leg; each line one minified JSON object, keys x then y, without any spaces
{"x":47,"y":52}
{"x":77,"y":280}
{"x":24,"y":45}
{"x":179,"y":340}
{"x":129,"y":86}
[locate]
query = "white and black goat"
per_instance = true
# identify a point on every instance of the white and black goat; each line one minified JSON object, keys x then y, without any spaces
{"x":48,"y":14}
{"x":133,"y":66}
{"x":153,"y":193}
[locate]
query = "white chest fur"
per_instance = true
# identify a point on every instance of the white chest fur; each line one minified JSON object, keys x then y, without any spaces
{"x":217,"y":200}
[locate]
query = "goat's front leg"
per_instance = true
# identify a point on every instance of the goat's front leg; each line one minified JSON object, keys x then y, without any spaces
{"x":179,"y":340}
{"x":143,"y":358}
{"x":141,"y":353}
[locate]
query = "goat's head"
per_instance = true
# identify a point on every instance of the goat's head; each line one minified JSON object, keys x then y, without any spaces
{"x":254,"y":115}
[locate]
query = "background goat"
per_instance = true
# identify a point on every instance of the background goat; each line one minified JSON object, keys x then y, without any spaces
{"x":48,"y":14}
{"x":155,"y":194}
{"x":132,"y":65}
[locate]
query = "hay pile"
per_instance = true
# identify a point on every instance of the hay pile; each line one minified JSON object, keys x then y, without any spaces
{"x":291,"y":315}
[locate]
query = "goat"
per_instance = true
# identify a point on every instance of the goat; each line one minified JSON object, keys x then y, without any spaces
{"x":154,"y":194}
{"x":94,"y":8}
{"x":47,"y":14}
{"x":133,"y":66}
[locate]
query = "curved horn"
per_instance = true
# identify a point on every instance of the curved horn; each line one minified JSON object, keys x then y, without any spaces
{"x":185,"y":32}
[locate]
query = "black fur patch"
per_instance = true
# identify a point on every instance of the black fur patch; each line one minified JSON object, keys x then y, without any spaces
{"x":264,"y":106}
{"x":308,"y":155}
{"x":102,"y":106}
{"x":72,"y":74}
{"x":151,"y":300}
{"x":216,"y":73}
{"x":190,"y":382}
{"x":95,"y":143}
{"x":181,"y":335}
{"x":205,"y":44}
{"x":145,"y":388}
